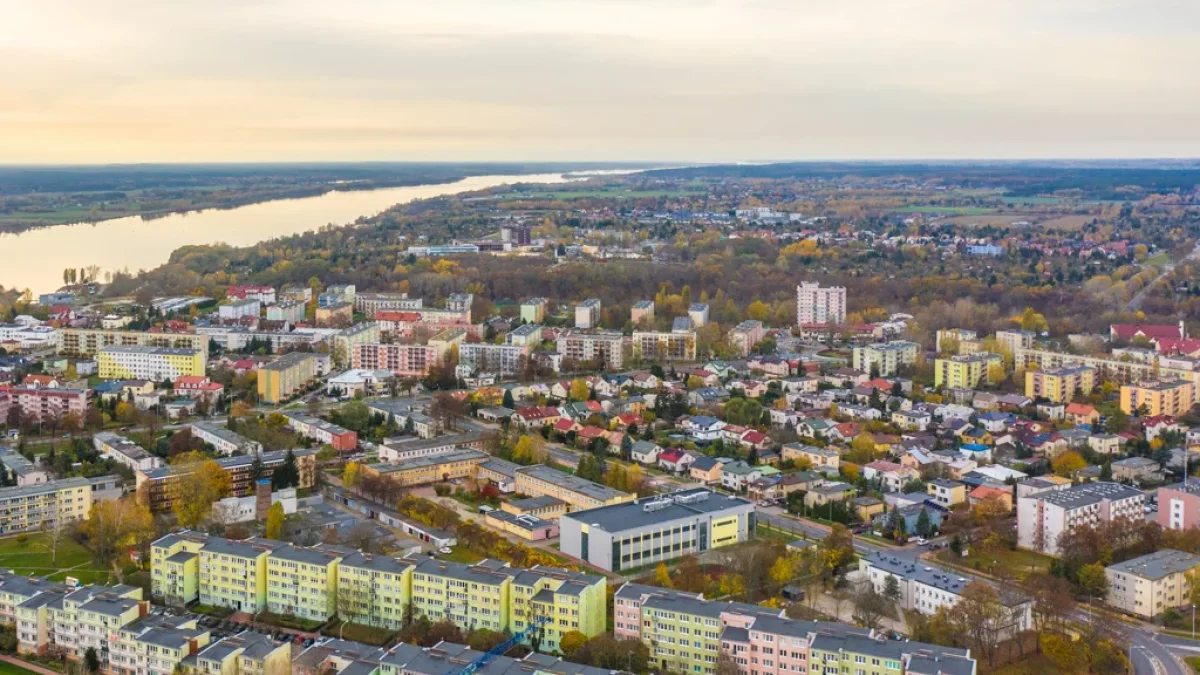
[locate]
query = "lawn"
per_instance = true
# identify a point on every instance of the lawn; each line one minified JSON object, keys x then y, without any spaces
{"x":462,"y":554}
{"x":357,"y":632}
{"x":1035,"y":665}
{"x":1159,"y":260}
{"x":33,"y":558}
{"x":1194,"y":662}
{"x":1005,"y":562}
{"x":7,"y":668}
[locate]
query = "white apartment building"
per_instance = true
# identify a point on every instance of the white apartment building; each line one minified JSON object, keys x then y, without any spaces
{"x":601,"y":347}
{"x":232,"y":311}
{"x":223,"y":440}
{"x":124,"y":451}
{"x":587,"y":314}
{"x":288,"y":311}
{"x":698,"y":313}
{"x":926,"y":588}
{"x":1042,"y":518}
{"x":820,"y":305}
{"x":489,"y":358}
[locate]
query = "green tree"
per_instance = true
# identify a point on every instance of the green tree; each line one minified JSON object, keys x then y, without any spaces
{"x":1092,"y":581}
{"x":287,"y":474}
{"x":91,"y":660}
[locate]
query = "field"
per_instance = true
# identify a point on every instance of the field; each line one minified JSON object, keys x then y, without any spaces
{"x":1069,"y":223}
{"x":948,"y":210}
{"x":33,"y":558}
{"x":7,"y":668}
{"x":1007,"y":563}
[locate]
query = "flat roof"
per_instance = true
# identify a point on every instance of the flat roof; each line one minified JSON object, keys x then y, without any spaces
{"x":573,"y":483}
{"x":1158,"y":565}
{"x":663,"y":509}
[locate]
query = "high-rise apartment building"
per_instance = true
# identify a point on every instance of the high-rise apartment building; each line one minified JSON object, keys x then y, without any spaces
{"x":820,"y":305}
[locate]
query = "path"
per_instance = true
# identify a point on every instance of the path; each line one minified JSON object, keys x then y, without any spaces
{"x":1135,"y":303}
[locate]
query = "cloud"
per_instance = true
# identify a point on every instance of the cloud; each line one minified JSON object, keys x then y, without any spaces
{"x":133,"y":80}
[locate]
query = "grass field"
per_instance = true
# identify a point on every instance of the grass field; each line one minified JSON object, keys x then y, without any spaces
{"x":1159,"y":260}
{"x":462,"y":554}
{"x":33,"y":558}
{"x":7,"y":668}
{"x":1010,"y":564}
{"x":948,"y":210}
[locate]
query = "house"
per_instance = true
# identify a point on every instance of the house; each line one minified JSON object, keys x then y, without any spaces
{"x":749,"y":388}
{"x":1052,"y":411}
{"x":866,"y":508}
{"x":766,"y":488}
{"x":1081,"y":413}
{"x":846,"y":431}
{"x":995,"y":421}
{"x":536,"y":417}
{"x":702,"y":428}
{"x":983,"y":493}
{"x":947,"y":493}
{"x":754,"y":440}
{"x":736,"y":475}
{"x":706,"y":470}
{"x":675,"y":460}
{"x":819,"y":458}
{"x":1137,"y":470}
{"x":910,"y":515}
{"x":815,"y":427}
{"x":626,"y":420}
{"x":645,"y":452}
{"x":708,"y":396}
{"x":800,"y":481}
{"x":1104,"y":444}
{"x":567,"y":425}
{"x":821,"y":495}
{"x":912,"y":420}
{"x":891,"y":476}
{"x":645,"y":381}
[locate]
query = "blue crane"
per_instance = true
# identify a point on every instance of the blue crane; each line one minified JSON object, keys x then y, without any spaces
{"x":534,"y":626}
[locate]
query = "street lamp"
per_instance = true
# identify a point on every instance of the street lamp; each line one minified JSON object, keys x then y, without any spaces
{"x":1193,"y":621}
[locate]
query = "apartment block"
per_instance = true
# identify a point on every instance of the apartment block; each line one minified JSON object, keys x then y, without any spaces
{"x":340,"y":314}
{"x":542,"y":481}
{"x":233,"y":310}
{"x":245,"y":654}
{"x":965,"y":371}
{"x":42,"y":506}
{"x":404,"y":360}
{"x":290,"y":312}
{"x":233,"y":573}
{"x":745,"y":335}
{"x":77,"y":620}
{"x":223,"y":440}
{"x":303,"y":581}
{"x":655,"y":346}
{"x":885,"y":359}
{"x":175,"y":568}
{"x":489,"y":358}
{"x":374,"y":590}
{"x":262,"y":294}
{"x":1179,"y":505}
{"x":369,"y":303}
{"x":156,"y":645}
{"x":460,"y":302}
{"x":587,"y":314}
{"x":643,"y":532}
{"x":698,"y":313}
{"x":124,"y":451}
{"x":326,"y":433}
{"x":1060,"y":385}
{"x":89,"y":341}
{"x":286,"y":376}
{"x":926,"y":588}
{"x":533,"y":310}
{"x":604,"y":348}
{"x":1151,"y":584}
{"x":44,"y":403}
{"x":157,"y":486}
{"x":642,"y":310}
{"x":1043,"y":517}
{"x":957,"y":341}
{"x":816,"y":305}
{"x":1158,"y":397}
{"x":343,"y":342}
{"x":149,"y":363}
{"x":1014,"y":340}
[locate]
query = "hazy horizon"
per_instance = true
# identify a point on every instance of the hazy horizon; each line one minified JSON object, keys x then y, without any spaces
{"x":660,"y":81}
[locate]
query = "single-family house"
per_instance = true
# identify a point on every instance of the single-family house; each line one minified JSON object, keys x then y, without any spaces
{"x":675,"y":460}
{"x":645,"y":452}
{"x":1082,"y":413}
{"x":947,"y":493}
{"x":736,"y":475}
{"x":705,"y":469}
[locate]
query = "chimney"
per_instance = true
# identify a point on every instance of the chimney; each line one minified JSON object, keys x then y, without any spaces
{"x":262,"y":498}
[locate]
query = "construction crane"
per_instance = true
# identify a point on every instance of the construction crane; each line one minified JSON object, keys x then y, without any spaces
{"x":534,"y":626}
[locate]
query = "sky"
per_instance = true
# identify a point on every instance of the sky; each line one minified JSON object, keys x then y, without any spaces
{"x":114,"y":81}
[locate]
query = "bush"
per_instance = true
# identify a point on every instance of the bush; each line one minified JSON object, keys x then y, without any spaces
{"x":441,"y":490}
{"x":22,"y":538}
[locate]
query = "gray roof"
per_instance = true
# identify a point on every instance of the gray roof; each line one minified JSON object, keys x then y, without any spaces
{"x":379,"y":563}
{"x":573,"y":483}
{"x":246,"y":548}
{"x":932,"y":576}
{"x":470,"y":573}
{"x":42,"y":488}
{"x":1085,"y":494}
{"x":629,"y":515}
{"x":537,"y":502}
{"x":267,"y":458}
{"x":1158,"y":565}
{"x":320,"y":554}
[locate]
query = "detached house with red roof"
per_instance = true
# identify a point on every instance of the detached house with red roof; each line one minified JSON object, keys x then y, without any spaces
{"x":198,"y":386}
{"x":675,"y":460}
{"x":1082,"y":413}
{"x":536,"y":417}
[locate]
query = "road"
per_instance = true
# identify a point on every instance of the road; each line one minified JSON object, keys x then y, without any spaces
{"x":1135,"y":303}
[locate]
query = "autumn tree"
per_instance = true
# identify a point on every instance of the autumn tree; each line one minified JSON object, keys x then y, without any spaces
{"x":1068,"y":463}
{"x":198,"y":483}
{"x":114,"y":525}
{"x":579,"y":390}
{"x":274,"y":526}
{"x":662,"y":576}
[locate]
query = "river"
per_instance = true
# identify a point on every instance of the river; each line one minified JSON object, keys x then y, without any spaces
{"x":35,"y":259}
